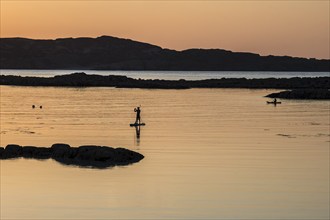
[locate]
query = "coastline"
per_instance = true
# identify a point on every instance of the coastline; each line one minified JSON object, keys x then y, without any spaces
{"x":315,"y":94}
{"x":81,"y":79}
{"x":296,"y":87}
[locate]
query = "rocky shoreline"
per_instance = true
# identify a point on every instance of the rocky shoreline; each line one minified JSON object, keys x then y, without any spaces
{"x":319,"y":94}
{"x":84,"y":80}
{"x":83,"y":156}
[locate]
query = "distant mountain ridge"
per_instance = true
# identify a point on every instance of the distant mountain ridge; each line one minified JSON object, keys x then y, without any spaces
{"x":111,"y":53}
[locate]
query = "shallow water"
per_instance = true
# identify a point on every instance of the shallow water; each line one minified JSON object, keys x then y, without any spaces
{"x":209,"y":153}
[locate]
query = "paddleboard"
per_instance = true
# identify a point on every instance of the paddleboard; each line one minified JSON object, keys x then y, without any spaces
{"x":273,"y":102}
{"x":137,"y":124}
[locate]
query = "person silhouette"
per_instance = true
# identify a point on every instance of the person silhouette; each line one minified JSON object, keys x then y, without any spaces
{"x":138,"y":115}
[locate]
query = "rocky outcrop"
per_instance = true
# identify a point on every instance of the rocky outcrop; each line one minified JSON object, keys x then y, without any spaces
{"x":84,"y":80}
{"x":302,"y":94}
{"x":111,"y":53}
{"x":84,"y":156}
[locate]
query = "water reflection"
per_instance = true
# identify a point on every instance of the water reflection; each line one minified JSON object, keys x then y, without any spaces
{"x":209,"y":154}
{"x":137,"y":135}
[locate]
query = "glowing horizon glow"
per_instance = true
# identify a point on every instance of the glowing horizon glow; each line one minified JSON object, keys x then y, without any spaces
{"x":293,"y":28}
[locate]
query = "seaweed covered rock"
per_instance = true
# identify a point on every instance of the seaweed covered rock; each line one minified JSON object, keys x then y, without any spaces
{"x":84,"y":156}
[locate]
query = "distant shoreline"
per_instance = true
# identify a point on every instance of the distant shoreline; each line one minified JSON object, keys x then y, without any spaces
{"x":161,"y":70}
{"x":168,"y":75}
{"x":112,"y":53}
{"x":84,"y":80}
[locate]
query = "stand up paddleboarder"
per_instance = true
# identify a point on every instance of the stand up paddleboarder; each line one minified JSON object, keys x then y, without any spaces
{"x":138,"y":115}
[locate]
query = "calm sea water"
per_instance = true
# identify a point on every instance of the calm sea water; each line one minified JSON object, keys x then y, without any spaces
{"x":209,"y":154}
{"x":170,"y":75}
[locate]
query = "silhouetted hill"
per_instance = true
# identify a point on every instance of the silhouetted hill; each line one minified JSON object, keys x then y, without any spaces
{"x":110,"y":53}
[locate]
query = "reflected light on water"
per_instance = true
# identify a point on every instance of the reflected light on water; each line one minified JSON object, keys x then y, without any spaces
{"x":209,"y":153}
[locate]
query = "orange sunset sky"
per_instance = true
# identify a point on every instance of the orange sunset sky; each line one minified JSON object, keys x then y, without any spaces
{"x":294,"y":28}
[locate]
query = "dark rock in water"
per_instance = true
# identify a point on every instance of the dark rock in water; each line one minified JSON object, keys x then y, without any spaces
{"x":302,"y":94}
{"x":60,"y":150}
{"x":36,"y":152}
{"x":12,"y":151}
{"x":122,"y":156}
{"x":104,"y":154}
{"x":1,"y":151}
{"x":87,"y":152}
{"x":42,"y":153}
{"x":28,"y":151}
{"x":85,"y":156}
